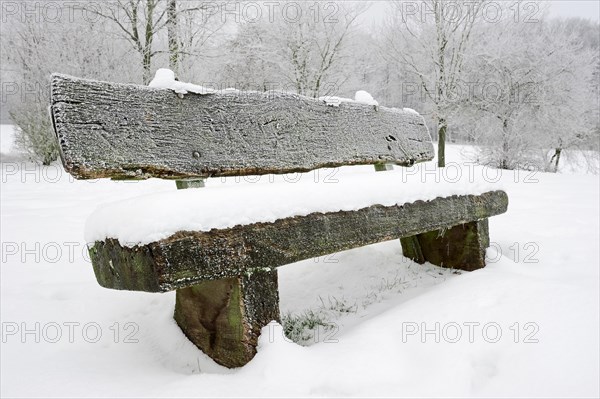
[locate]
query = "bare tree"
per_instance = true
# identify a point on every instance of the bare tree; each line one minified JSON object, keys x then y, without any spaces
{"x":302,"y":54}
{"x":33,"y":49}
{"x":312,"y":47}
{"x":141,"y":23}
{"x":252,"y":62}
{"x":534,"y":92}
{"x":432,"y":40}
{"x":173,"y":36}
{"x":138,"y":21}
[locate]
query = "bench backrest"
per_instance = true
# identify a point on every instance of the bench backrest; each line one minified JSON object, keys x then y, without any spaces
{"x":135,"y":132}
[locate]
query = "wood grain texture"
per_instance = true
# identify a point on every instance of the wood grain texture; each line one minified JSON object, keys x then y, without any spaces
{"x":136,"y":132}
{"x":190,"y":257}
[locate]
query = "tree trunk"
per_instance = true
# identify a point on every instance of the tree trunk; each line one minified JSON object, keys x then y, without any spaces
{"x":149,"y":36}
{"x":442,"y":142}
{"x":441,"y":93}
{"x":505,"y":162}
{"x":173,"y":38}
{"x":147,"y":74}
{"x":556,"y":159}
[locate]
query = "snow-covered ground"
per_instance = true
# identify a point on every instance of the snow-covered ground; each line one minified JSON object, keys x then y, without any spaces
{"x":526,"y":325}
{"x":8,"y":148}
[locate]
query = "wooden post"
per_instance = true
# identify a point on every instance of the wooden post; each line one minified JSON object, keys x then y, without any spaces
{"x":224,"y":317}
{"x":459,"y":247}
{"x":382,"y":167}
{"x":189,"y":183}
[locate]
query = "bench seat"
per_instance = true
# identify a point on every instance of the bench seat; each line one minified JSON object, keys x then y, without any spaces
{"x":181,"y":237}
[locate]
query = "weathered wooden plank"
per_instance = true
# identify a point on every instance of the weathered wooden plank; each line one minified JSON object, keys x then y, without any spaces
{"x":189,"y":257}
{"x":128,"y":131}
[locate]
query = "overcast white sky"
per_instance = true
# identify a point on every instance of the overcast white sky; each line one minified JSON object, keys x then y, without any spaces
{"x":586,"y":9}
{"x":557,"y":8}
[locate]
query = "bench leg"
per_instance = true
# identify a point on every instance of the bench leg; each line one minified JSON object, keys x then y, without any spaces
{"x":459,"y":247}
{"x":224,"y":317}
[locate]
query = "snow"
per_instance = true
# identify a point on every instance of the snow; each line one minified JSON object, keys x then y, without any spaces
{"x":363,"y":97}
{"x":334,"y":101}
{"x":7,"y":139}
{"x":410,"y":111}
{"x":542,"y":269}
{"x":165,"y":79}
{"x":185,"y":210}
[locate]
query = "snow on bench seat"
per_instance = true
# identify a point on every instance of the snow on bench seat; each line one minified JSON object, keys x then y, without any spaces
{"x":142,"y":220}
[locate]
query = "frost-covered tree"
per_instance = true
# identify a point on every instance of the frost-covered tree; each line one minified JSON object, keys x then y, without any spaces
{"x":25,"y":51}
{"x":308,"y":53}
{"x":194,"y":38}
{"x":33,"y":48}
{"x":432,"y":40}
{"x":142,"y":23}
{"x":314,"y":47}
{"x":367,"y":70}
{"x":92,"y":40}
{"x":138,"y":21}
{"x":530,"y":91}
{"x":251,"y":59}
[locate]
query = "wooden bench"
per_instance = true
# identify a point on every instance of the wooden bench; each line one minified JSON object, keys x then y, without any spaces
{"x":226,"y":279}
